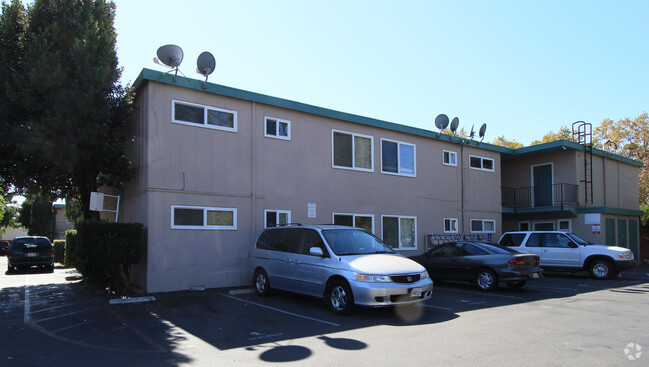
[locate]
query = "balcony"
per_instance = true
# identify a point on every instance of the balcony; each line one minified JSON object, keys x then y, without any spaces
{"x":556,"y":200}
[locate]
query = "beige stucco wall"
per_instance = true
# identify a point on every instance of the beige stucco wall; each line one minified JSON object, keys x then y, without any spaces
{"x":191,"y":165}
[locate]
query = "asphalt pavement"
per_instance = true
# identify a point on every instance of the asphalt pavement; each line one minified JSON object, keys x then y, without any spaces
{"x":51,"y":319}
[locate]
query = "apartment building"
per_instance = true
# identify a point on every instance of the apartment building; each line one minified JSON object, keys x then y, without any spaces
{"x":215,"y":165}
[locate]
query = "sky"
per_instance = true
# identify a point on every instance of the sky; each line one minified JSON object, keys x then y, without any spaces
{"x":522,"y":67}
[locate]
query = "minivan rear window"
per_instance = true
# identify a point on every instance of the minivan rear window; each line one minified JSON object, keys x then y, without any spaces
{"x":31,"y":243}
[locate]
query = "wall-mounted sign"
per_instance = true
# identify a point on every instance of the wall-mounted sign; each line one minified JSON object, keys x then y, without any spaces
{"x":597,"y":229}
{"x":311,"y":210}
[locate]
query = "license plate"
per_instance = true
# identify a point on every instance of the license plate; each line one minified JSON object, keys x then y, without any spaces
{"x":31,"y":254}
{"x":415,"y":292}
{"x":535,"y":276}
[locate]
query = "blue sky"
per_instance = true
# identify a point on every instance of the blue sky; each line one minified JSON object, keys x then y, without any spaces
{"x":522,"y":67}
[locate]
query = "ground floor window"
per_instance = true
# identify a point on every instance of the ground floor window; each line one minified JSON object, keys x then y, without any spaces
{"x":523,"y":226}
{"x":197,"y":217}
{"x":273,"y":218}
{"x":400,"y":232}
{"x":450,"y":225}
{"x":363,"y":221}
{"x":564,"y":225}
{"x":483,"y":226}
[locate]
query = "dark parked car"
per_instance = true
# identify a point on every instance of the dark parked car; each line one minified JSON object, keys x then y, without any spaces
{"x":26,"y":252}
{"x":485,"y":264}
{"x":4,"y":247}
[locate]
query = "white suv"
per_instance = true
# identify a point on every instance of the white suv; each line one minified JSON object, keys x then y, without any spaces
{"x":565,"y":250}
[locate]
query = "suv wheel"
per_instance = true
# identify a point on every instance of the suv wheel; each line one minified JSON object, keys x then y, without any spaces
{"x":601,"y":269}
{"x":262,"y":285}
{"x":340,"y":298}
{"x":486,"y":280}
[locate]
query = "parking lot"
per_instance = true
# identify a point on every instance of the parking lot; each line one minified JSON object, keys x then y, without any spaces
{"x":561,"y":320}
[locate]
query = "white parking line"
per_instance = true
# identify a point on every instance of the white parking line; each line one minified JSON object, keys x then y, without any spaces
{"x":556,"y":289}
{"x":441,"y":308}
{"x":282,"y":311}
{"x":27,"y":316}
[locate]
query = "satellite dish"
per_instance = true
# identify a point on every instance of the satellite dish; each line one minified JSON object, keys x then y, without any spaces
{"x":441,"y":121}
{"x":205,"y":65}
{"x":454,"y":124}
{"x":472,"y":133}
{"x":171,"y":56}
{"x":483,"y":128}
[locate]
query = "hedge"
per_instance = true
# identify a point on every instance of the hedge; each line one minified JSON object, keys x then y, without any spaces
{"x":104,"y":252}
{"x":59,"y":251}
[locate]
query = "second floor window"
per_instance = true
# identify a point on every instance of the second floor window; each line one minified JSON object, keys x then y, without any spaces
{"x":352,"y":151}
{"x":206,"y":116}
{"x":276,"y":128}
{"x":397,"y":158}
{"x":449,"y":158}
{"x":481,"y":163}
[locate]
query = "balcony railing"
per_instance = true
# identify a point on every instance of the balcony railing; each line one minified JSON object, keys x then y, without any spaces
{"x":543,"y":196}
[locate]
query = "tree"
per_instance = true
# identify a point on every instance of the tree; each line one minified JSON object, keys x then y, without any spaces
{"x":563,"y":134}
{"x":8,"y":211}
{"x":501,"y":141}
{"x":67,"y":114}
{"x":630,"y":139}
{"x":37,"y":215}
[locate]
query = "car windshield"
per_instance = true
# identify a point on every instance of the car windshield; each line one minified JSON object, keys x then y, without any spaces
{"x":354,"y":242}
{"x":577,"y":239}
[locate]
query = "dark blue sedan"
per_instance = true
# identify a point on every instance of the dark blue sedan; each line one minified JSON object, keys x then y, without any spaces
{"x":485,"y":264}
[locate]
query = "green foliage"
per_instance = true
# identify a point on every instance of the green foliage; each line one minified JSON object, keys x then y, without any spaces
{"x":71,"y":240}
{"x":563,"y":134}
{"x":64,"y":115}
{"x":501,"y":141}
{"x":105,"y":251}
{"x":59,"y":251}
{"x":628,"y":138}
{"x":644,"y":220}
{"x":38,"y":216}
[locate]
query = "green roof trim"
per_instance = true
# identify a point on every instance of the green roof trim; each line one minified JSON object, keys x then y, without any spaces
{"x":611,"y":210}
{"x":195,"y":84}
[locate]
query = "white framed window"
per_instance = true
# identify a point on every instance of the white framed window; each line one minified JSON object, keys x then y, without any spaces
{"x":481,"y":163}
{"x":365,"y":221}
{"x":565,"y":225}
{"x":205,"y":116}
{"x":352,"y":151}
{"x":400,"y":232}
{"x":277,"y":128}
{"x":273,"y":218}
{"x":544,"y":226}
{"x":199,"y":217}
{"x":450,"y":225}
{"x":398,"y":158}
{"x":449,"y":158}
{"x":483,"y":226}
{"x":523,"y":226}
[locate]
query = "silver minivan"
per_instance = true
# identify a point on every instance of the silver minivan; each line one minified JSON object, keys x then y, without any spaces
{"x":345,"y":266}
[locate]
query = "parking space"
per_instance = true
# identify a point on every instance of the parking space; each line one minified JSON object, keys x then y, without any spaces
{"x":198,"y":327}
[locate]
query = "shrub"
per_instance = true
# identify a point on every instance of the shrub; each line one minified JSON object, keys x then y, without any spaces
{"x":70,"y":244}
{"x":105,"y":251}
{"x":59,"y":251}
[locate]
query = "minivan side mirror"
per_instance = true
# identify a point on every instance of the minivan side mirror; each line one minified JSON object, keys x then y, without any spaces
{"x":316,"y":251}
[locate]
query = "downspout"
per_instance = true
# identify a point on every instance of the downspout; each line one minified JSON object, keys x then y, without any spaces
{"x":253,"y":176}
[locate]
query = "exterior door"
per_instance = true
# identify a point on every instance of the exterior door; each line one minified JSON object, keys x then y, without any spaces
{"x":542,"y":185}
{"x":309,"y":269}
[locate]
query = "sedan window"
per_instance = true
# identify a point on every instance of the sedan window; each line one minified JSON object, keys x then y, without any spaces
{"x":471,"y":250}
{"x":446,"y":250}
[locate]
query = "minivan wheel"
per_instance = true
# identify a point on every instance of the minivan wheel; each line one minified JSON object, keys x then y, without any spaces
{"x":486,"y":280}
{"x":340,"y":297}
{"x":261,"y":283}
{"x":601,"y":269}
